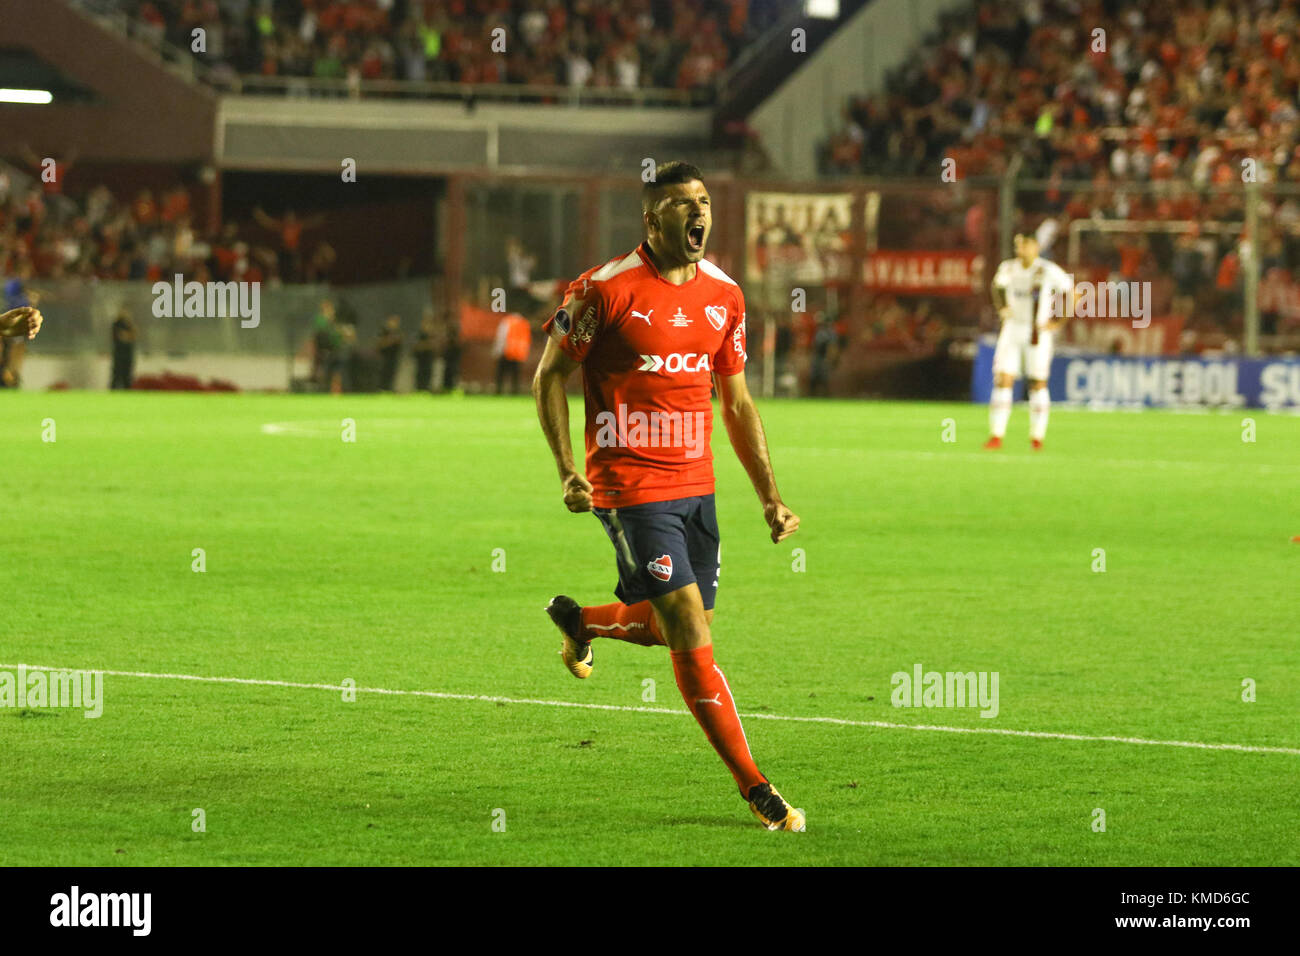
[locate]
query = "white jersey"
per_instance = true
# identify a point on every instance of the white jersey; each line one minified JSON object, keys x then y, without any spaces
{"x":1036,"y":292}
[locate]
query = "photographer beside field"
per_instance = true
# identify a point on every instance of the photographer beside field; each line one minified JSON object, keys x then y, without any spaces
{"x":389,"y":346}
{"x":327,"y":339}
{"x":123,"y":350}
{"x":513,"y":341}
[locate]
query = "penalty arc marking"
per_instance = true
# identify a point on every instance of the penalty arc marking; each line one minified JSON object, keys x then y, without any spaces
{"x":837,"y":721}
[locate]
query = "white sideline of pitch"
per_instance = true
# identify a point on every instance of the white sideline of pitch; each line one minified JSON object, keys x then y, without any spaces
{"x":491,"y":699}
{"x":1004,"y":457}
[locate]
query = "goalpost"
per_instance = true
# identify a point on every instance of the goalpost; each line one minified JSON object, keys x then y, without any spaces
{"x":1249,"y":261}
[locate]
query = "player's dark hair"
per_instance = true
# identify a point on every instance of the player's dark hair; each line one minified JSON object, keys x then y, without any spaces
{"x":674,"y":173}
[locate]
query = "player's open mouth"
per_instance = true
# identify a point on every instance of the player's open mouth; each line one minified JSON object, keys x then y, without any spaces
{"x":695,"y":238}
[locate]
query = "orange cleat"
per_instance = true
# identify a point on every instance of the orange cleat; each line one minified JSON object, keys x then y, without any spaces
{"x":994,"y":443}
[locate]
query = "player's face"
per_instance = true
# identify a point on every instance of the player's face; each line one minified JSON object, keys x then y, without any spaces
{"x":1026,"y":248}
{"x":680,"y":223}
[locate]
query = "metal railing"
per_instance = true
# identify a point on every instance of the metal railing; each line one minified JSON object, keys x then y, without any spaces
{"x":145,"y":39}
{"x":464,"y":92}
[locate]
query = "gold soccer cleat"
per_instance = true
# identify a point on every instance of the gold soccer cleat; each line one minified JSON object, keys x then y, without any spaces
{"x":772,"y":810}
{"x":567,"y":615}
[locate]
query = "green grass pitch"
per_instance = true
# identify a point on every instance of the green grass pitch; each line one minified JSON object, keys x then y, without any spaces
{"x":373,"y":561}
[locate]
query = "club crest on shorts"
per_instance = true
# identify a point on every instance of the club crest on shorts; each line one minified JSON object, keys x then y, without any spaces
{"x":717,"y":316}
{"x":661,"y":567}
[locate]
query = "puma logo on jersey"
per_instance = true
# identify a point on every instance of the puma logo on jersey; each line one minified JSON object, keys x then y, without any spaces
{"x":644,"y":315}
{"x":676,"y":362}
{"x":661,"y":567}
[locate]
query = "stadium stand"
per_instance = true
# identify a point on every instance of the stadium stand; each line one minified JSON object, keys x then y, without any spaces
{"x":1126,"y":161}
{"x":1169,"y":90}
{"x":637,"y":44}
{"x":1170,"y":102}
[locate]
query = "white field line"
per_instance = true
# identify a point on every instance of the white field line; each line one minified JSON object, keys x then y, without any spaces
{"x":331,"y":426}
{"x":488,"y":698}
{"x":332,"y":429}
{"x":288,"y":428}
{"x":1003,"y":457}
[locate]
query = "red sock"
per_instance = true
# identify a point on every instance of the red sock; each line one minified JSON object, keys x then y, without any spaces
{"x":634,"y":623}
{"x":706,"y":693}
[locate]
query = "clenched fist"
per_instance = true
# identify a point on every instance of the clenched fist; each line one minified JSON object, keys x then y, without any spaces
{"x":17,"y":323}
{"x":577,"y":493}
{"x":781,"y":520}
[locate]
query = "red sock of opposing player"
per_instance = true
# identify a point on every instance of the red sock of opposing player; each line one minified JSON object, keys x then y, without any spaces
{"x":706,"y":693}
{"x":634,"y":623}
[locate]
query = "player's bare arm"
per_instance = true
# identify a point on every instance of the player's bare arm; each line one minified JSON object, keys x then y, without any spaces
{"x":745,"y":429}
{"x":1070,"y":301}
{"x":1000,"y":303}
{"x":21,"y":322}
{"x":553,"y":411}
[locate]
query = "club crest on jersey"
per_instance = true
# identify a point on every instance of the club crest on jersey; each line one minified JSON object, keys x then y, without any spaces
{"x":717,"y":315}
{"x":661,"y":567}
{"x":679,"y":319}
{"x":563,"y":322}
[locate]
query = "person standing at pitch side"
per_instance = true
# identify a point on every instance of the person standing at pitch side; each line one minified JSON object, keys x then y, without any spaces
{"x":652,"y":331}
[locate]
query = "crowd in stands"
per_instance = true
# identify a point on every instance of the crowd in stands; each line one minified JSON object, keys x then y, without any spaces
{"x":150,"y":235}
{"x":627,"y":44}
{"x":1156,"y":89}
{"x":1160,"y":107}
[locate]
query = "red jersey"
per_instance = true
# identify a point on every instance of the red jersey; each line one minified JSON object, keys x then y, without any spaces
{"x":648,"y":350}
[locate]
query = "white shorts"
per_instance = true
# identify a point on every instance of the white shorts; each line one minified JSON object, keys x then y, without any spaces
{"x":1016,"y":357}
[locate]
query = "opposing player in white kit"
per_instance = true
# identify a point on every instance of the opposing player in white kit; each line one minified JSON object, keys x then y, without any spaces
{"x":1033,"y":297}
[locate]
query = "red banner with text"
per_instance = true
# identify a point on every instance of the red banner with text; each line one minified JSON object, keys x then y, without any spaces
{"x":912,"y":272}
{"x":1118,"y":336}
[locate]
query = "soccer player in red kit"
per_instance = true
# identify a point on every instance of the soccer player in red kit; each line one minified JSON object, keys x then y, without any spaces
{"x":652,"y":331}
